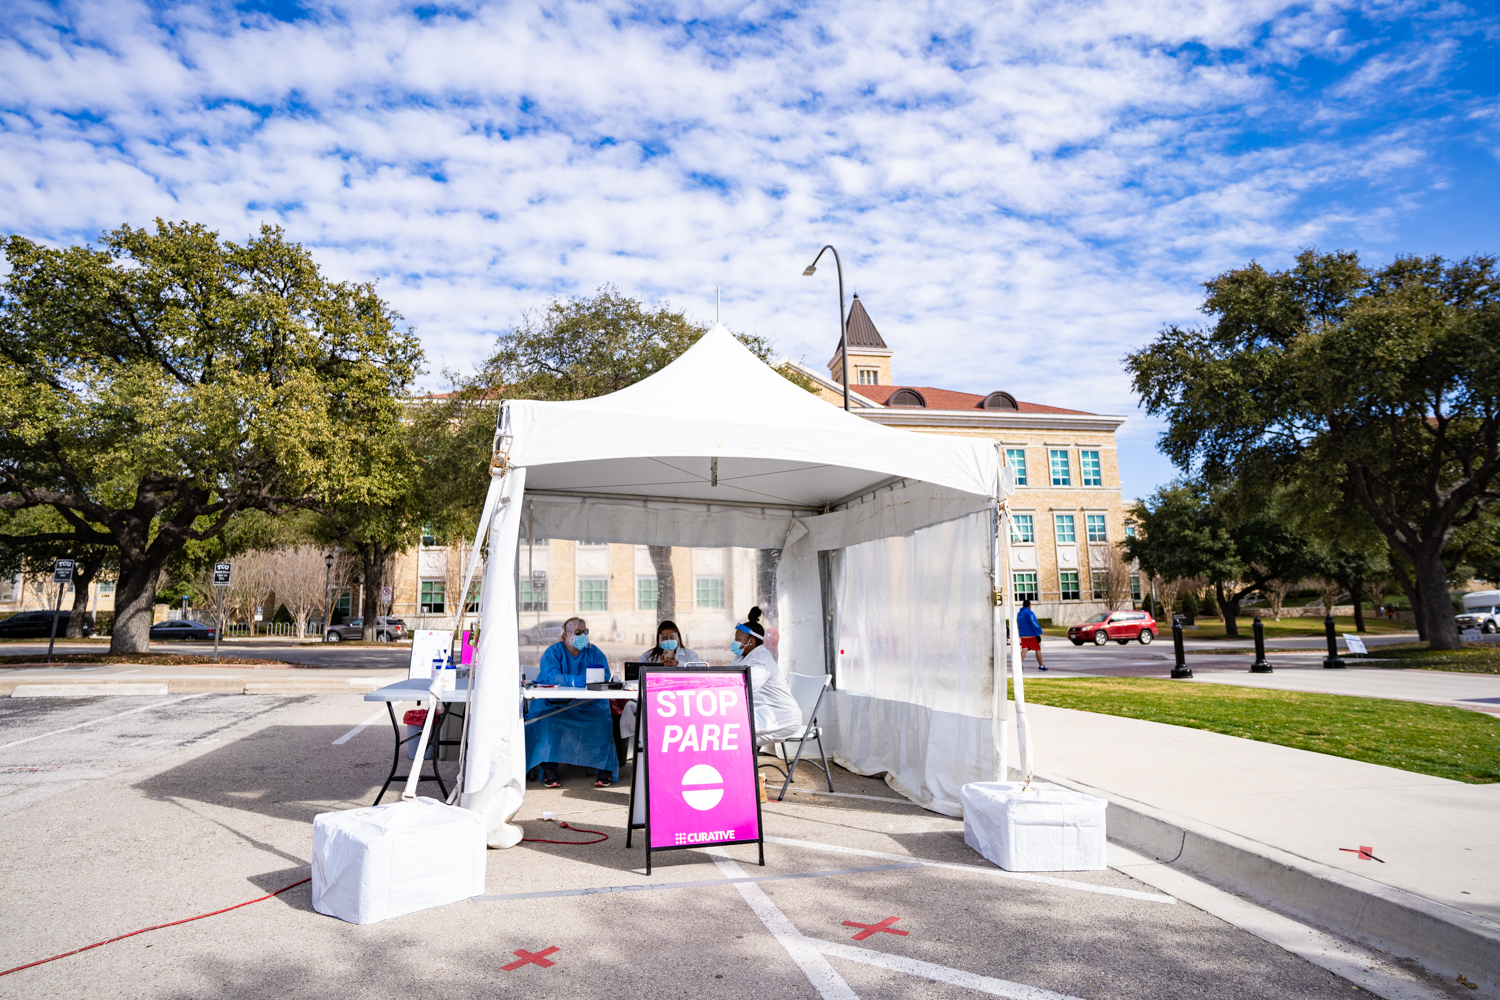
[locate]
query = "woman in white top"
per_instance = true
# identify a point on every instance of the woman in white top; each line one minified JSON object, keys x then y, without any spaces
{"x":777,"y":714}
{"x":669,"y":652}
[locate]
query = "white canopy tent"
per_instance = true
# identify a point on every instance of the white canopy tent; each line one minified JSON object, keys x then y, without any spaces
{"x":717,"y":449}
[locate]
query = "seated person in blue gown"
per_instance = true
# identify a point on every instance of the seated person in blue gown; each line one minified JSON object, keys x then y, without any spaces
{"x":571,"y":732}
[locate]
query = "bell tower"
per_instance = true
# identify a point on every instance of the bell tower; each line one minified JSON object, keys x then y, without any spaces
{"x":869,"y":357}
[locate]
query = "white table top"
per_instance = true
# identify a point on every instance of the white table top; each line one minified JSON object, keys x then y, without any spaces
{"x":415,"y":689}
{"x":581,"y":694}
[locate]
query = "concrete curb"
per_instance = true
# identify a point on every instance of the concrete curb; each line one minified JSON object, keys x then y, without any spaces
{"x":136,"y":686}
{"x":1446,"y":940}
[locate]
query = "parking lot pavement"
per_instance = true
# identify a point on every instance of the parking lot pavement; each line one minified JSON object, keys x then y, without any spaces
{"x":377,"y":656}
{"x":179,"y":808}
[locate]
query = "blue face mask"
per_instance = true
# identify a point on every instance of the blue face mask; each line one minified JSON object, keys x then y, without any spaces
{"x":737,"y":648}
{"x":581,"y":641}
{"x":669,"y":644}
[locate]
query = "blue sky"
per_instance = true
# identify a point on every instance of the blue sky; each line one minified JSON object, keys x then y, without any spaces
{"x":1022,"y":192}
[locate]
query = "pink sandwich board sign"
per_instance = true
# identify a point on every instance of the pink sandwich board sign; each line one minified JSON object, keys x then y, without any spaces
{"x":695,"y":778}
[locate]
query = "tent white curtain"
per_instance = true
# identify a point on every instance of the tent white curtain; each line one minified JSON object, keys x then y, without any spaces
{"x":717,"y":449}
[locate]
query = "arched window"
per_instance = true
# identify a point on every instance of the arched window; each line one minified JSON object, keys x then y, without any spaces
{"x":999,"y":401}
{"x":906,"y":397}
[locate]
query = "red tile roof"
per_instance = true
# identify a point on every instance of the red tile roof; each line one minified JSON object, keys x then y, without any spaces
{"x":947,"y":399}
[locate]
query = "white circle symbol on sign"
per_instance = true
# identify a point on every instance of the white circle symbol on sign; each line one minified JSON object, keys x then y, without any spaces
{"x":702,"y":798}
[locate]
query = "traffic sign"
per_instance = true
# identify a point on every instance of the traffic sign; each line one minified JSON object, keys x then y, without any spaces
{"x":62,"y":571}
{"x":221,"y":574}
{"x":385,"y":593}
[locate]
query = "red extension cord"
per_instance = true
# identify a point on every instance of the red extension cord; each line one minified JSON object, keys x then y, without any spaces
{"x":578,"y":829}
{"x":158,"y":927}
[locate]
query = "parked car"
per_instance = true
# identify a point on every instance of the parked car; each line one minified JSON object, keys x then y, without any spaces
{"x":1481,"y":611}
{"x":182,"y":630}
{"x":542,"y":633}
{"x":38,"y":625}
{"x":1121,"y":626}
{"x":386,"y":630}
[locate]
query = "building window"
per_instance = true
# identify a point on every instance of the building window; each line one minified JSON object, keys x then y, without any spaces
{"x":429,"y":535}
{"x":1022,"y":529}
{"x":868,"y":377}
{"x":1129,"y":531}
{"x":472,"y":605}
{"x":1066,"y":531}
{"x":708,"y":592}
{"x":1101,"y":585}
{"x":1016,"y":459}
{"x":1024,"y":585}
{"x":593,"y":594}
{"x":109,"y":588}
{"x":534,"y":592}
{"x":1062,"y":475}
{"x":593,"y":545}
{"x":1068,"y":584}
{"x":433,"y":594}
{"x":1095,"y":525}
{"x":1135,"y":587}
{"x":646,"y":593}
{"x":1093,"y":474}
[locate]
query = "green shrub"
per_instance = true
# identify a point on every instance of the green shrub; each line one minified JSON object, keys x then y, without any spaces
{"x":104,"y":622}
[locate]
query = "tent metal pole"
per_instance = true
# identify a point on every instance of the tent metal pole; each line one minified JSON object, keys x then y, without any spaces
{"x":1000,"y":707}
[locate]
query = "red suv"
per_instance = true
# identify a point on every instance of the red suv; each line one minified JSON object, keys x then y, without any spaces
{"x":1121,"y":626}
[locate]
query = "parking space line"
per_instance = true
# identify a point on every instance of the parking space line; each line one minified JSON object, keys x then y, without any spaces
{"x":1061,"y":883}
{"x":374,"y":718}
{"x":117,"y":715}
{"x":823,"y":977}
{"x":605,"y":890}
{"x":936,"y":973}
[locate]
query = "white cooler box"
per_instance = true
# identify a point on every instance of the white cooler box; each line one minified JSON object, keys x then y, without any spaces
{"x":1043,"y":829}
{"x":370,"y":864}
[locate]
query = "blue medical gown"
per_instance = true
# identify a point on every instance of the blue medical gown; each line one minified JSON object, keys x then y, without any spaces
{"x":582,"y":733}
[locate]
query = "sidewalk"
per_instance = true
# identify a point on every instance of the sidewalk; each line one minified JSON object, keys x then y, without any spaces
{"x":157,"y":679}
{"x":1436,"y":839}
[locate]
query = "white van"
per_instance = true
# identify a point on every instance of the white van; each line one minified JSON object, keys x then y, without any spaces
{"x":1481,"y":611}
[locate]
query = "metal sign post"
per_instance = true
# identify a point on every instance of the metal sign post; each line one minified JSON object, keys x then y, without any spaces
{"x":62,"y":575}
{"x":221,"y":580}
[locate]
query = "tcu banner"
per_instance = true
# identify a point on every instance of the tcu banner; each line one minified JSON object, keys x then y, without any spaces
{"x":695,"y":779}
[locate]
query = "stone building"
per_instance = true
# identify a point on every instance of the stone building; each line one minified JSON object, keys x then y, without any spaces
{"x":1069,"y":513}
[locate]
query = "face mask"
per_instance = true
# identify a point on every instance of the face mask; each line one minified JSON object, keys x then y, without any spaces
{"x":737,"y":648}
{"x":581,"y":641}
{"x":669,"y":644}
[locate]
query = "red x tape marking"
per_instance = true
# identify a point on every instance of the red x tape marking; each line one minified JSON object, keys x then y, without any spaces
{"x":530,"y":958}
{"x":884,"y":927}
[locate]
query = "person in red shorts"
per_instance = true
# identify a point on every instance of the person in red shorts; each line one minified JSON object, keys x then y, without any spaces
{"x":1030,"y":631}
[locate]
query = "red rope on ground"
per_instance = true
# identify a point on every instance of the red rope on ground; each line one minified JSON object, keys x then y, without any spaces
{"x":542,"y":840}
{"x":158,"y":927}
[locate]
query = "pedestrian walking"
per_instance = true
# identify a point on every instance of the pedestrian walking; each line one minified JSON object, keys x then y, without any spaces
{"x":1030,"y":631}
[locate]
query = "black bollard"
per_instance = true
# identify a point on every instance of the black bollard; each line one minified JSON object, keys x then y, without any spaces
{"x":1260,"y":666}
{"x":1332,"y":661}
{"x":1180,"y":668}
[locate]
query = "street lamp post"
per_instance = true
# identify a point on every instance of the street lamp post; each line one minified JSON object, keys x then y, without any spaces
{"x":327,"y":592}
{"x":843,"y":321}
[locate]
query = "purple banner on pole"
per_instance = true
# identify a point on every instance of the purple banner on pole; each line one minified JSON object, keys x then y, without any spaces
{"x":700,"y":745}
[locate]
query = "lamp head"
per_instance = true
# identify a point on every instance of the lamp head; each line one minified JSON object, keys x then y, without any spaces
{"x":809,"y":272}
{"x":328,"y":560}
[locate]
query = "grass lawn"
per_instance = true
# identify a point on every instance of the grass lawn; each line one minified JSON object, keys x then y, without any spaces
{"x":1428,"y":739}
{"x":151,"y":659}
{"x":1474,"y":658}
{"x":1287,"y":628}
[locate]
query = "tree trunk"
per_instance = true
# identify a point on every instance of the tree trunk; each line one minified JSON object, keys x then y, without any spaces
{"x":1357,"y":595}
{"x":666,"y":583}
{"x":135,"y":593}
{"x":84,"y":571}
{"x":1230,"y":609}
{"x":1437,"y":610}
{"x":374,"y":558}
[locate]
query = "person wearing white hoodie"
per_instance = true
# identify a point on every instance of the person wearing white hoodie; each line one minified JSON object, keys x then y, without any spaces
{"x":777,"y":714}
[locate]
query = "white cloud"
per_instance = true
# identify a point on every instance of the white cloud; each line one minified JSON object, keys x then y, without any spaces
{"x":1022,"y":191}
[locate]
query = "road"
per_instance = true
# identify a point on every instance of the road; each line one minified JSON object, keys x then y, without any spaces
{"x":121,"y":813}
